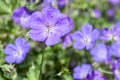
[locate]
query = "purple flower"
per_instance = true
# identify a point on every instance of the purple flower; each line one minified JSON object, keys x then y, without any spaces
{"x":116,"y":69}
{"x":21,"y":17}
{"x":96,"y":13}
{"x":17,"y":53}
{"x":67,"y":41}
{"x":47,"y":3}
{"x":86,"y":37}
{"x":111,"y":35}
{"x":100,"y":53}
{"x":81,"y":72}
{"x":95,"y":75}
{"x":114,"y":2}
{"x":110,"y":12}
{"x":49,"y":26}
{"x":62,"y":3}
{"x":115,"y":49}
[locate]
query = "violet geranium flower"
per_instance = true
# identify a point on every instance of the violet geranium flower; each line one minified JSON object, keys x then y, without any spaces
{"x":86,"y":37}
{"x":49,"y":26}
{"x":112,"y":34}
{"x":16,"y":53}
{"x":81,"y":72}
{"x":21,"y":17}
{"x":100,"y":53}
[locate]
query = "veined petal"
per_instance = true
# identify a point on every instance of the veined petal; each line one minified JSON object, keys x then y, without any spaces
{"x":50,"y":12}
{"x":20,"y":42}
{"x":87,"y":28}
{"x":38,"y":35}
{"x":65,"y":25}
{"x":37,"y":20}
{"x":77,"y":36}
{"x":79,"y":45}
{"x":52,"y":39}
{"x":96,"y":34}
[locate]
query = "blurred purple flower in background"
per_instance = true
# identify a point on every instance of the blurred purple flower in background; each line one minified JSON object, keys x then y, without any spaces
{"x":114,"y":2}
{"x":100,"y":53}
{"x":110,"y":12}
{"x":62,"y":3}
{"x":115,"y":49}
{"x":47,"y":3}
{"x":67,"y":41}
{"x":49,"y":26}
{"x":86,"y":37}
{"x":95,"y":75}
{"x":96,"y":13}
{"x":21,"y":17}
{"x":81,"y":72}
{"x":17,"y":53}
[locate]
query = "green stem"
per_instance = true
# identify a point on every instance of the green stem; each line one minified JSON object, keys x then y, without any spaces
{"x":107,"y":72}
{"x":42,"y":61}
{"x":40,"y":76}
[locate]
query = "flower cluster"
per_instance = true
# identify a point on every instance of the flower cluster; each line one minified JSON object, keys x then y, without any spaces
{"x":104,"y":51}
{"x":85,"y":72}
{"x":51,"y":26}
{"x":48,"y":25}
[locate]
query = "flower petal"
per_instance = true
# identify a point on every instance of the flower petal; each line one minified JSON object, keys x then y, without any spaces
{"x":87,"y":28}
{"x":37,"y":20}
{"x":65,"y":25}
{"x":52,"y":39}
{"x":20,"y":42}
{"x":77,"y":36}
{"x":96,"y":34}
{"x":10,"y":49}
{"x":10,"y":59}
{"x":50,"y":12}
{"x":38,"y":35}
{"x":90,"y":45}
{"x":79,"y":45}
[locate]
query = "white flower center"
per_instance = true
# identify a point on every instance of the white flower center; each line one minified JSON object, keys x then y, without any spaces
{"x":117,"y":72}
{"x":49,"y":29}
{"x":87,"y":39}
{"x":19,"y":53}
{"x":83,"y":75}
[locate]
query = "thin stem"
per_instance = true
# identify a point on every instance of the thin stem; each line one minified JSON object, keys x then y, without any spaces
{"x":40,"y":75}
{"x":107,"y":72}
{"x":42,"y":61}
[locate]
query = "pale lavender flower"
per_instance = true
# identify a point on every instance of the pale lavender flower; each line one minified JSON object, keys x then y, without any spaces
{"x":49,"y":26}
{"x":100,"y":53}
{"x":110,"y":12}
{"x":21,"y":17}
{"x":112,"y":34}
{"x":86,"y":37}
{"x":16,"y":53}
{"x":81,"y":72}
